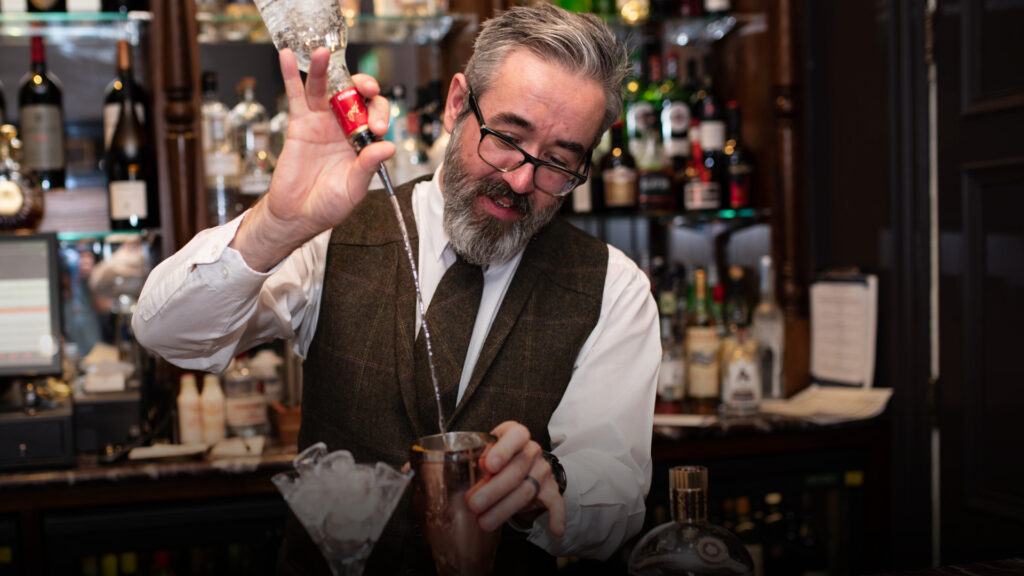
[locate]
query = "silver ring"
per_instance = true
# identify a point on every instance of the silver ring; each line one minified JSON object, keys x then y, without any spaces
{"x":536,"y":485}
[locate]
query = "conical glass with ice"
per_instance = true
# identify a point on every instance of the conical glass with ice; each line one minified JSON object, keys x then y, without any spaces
{"x":343,"y":505}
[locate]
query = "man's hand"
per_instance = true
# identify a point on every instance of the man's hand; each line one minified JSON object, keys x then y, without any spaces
{"x":319,"y":179}
{"x":511,"y":462}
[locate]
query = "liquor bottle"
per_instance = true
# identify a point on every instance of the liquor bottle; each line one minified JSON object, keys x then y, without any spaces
{"x":47,"y":6}
{"x":41,"y":100}
{"x":768,"y":330}
{"x":245,"y":408}
{"x":717,"y":291}
{"x":689,"y":544}
{"x":113,"y":98}
{"x":737,"y":311}
{"x":190,"y":416}
{"x":672,"y":376}
{"x":221,"y":161}
{"x":279,"y":126}
{"x":702,"y":351}
{"x":212,"y":405}
{"x":250,"y":125}
{"x":654,"y":97}
{"x":248,"y":120}
{"x":207,"y":12}
{"x":129,"y":165}
{"x":712,"y":141}
{"x":740,"y":163}
{"x":741,"y":376}
{"x":635,"y":109}
{"x":618,"y":174}
{"x":654,"y":194}
{"x":675,"y":118}
{"x":21,"y":200}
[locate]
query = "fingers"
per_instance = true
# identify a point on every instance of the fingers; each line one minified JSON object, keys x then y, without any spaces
{"x":508,"y":493}
{"x":379,"y":108}
{"x":293,"y":86}
{"x":316,"y":80}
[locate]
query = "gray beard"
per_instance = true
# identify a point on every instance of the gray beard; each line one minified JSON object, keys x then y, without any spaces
{"x":480,"y":238}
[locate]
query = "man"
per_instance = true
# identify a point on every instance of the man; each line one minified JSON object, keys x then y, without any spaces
{"x":564,"y":351}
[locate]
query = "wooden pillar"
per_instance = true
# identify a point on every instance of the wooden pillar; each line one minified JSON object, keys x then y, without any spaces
{"x":790,"y":228}
{"x":179,"y":167}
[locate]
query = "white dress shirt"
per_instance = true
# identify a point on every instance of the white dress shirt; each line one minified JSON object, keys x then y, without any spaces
{"x":203,"y":305}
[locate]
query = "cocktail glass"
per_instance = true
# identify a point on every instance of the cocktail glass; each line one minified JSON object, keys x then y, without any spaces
{"x":341,"y":504}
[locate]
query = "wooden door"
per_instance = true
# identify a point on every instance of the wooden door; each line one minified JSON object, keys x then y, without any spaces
{"x":979,"y":56}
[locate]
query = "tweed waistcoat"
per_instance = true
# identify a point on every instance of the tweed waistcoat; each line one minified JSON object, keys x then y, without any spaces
{"x":359,"y":392}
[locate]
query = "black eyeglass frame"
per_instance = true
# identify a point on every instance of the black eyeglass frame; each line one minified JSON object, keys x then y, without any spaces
{"x":527,"y":157}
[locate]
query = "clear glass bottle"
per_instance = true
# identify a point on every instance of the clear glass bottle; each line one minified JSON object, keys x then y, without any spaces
{"x":221,"y":161}
{"x":250,"y":125}
{"x":768,"y":329}
{"x":672,"y":376}
{"x":689,"y":544}
{"x":245,"y":407}
{"x":741,"y":376}
{"x":279,"y":126}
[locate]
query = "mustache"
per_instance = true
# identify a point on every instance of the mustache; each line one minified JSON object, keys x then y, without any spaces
{"x":497,"y":190}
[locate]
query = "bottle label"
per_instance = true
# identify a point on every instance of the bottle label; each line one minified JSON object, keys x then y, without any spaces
{"x":702,"y":361}
{"x":83,"y":5}
{"x":255,"y":185}
{"x":245,"y":411}
{"x":739,"y":185}
{"x":654,"y":192}
{"x":581,"y":202}
{"x":42,"y":136}
{"x":127,"y":199}
{"x":675,"y":119}
{"x":741,"y":384}
{"x":11,"y":198}
{"x":701,"y":195}
{"x":671,"y":378}
{"x":639,"y":117}
{"x":350,"y":111}
{"x":221,"y":164}
{"x":712,"y":134}
{"x":619,"y":187}
{"x":13,"y":6}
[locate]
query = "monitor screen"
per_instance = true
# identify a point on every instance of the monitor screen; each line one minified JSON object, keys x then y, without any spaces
{"x":29,"y":305}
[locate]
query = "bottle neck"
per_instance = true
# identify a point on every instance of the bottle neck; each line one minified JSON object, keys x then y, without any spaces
{"x":689,"y":506}
{"x":38,"y":55}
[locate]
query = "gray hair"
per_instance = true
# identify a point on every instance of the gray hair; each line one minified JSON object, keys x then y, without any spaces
{"x":578,"y":42}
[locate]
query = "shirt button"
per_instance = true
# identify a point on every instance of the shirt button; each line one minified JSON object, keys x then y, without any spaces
{"x":224,"y":273}
{"x":213,"y":251}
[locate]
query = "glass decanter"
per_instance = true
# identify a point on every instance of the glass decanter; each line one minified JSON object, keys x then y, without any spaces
{"x":689,"y":545}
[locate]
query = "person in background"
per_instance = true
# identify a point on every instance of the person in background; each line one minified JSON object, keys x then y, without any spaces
{"x":564,"y":352}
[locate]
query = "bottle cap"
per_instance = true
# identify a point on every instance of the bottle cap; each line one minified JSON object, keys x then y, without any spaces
{"x":211,"y":380}
{"x":188,"y":380}
{"x":689,"y":494}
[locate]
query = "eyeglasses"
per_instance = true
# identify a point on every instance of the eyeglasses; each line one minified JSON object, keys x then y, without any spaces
{"x":498,"y":151}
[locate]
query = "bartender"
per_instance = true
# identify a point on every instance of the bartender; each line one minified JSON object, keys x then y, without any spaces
{"x":560,"y":349}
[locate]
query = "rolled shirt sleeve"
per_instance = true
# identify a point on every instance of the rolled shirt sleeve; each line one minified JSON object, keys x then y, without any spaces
{"x":204,"y":304}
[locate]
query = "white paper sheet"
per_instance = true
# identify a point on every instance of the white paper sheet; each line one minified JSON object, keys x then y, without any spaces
{"x":844,"y":319}
{"x":831,"y":404}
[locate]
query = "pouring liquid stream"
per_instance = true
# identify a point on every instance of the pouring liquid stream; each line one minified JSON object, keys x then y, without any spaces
{"x":303,"y":26}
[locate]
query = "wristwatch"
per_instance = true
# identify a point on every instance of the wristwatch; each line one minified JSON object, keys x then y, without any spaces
{"x":557,"y":471}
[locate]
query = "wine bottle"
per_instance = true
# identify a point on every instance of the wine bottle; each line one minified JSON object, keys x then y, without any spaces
{"x":132,"y":191}
{"x":768,"y":329}
{"x":675,"y":117}
{"x":47,"y":6}
{"x":113,"y":98}
{"x":740,"y":163}
{"x":21,"y":201}
{"x":41,"y":99}
{"x":618,"y":173}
